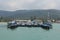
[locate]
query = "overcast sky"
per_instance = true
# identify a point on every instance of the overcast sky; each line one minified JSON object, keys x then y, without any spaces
{"x":29,"y":4}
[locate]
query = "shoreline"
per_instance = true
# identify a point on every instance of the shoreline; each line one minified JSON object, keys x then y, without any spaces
{"x":3,"y":22}
{"x":6,"y":22}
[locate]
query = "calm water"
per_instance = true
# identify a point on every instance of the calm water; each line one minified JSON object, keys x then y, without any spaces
{"x":21,"y":33}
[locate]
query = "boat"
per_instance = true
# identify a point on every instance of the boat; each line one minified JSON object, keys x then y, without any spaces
{"x":22,"y":24}
{"x":46,"y":25}
{"x":14,"y":24}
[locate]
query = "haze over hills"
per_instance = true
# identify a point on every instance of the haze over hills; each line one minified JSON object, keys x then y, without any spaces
{"x":54,"y":14}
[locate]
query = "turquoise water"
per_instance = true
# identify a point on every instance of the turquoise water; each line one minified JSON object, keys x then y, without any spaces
{"x":21,"y":33}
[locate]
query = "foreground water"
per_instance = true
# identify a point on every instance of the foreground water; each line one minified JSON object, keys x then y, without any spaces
{"x":21,"y":33}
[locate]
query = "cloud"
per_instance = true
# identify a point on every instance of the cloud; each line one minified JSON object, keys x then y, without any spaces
{"x":51,"y":4}
{"x":29,"y":4}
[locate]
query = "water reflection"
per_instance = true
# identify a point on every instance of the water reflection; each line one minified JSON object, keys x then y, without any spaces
{"x":45,"y":28}
{"x":13,"y":28}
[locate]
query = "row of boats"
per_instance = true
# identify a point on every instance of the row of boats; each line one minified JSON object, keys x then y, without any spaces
{"x":29,"y":23}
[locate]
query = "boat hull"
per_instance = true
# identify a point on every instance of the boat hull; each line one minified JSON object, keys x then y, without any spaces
{"x":42,"y":26}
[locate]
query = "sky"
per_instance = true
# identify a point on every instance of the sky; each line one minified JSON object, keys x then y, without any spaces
{"x":12,"y":5}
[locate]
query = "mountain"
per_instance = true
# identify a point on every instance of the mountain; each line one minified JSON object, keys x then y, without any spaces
{"x":55,"y":14}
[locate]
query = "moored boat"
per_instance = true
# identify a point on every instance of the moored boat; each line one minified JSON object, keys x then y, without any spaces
{"x":13,"y":24}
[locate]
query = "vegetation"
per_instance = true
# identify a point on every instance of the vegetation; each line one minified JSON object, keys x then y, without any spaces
{"x":29,"y":14}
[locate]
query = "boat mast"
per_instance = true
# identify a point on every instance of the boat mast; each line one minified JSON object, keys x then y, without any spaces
{"x":48,"y":16}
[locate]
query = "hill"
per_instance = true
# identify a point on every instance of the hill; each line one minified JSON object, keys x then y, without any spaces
{"x":25,"y":14}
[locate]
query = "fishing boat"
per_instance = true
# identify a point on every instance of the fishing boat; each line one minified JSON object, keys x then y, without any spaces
{"x":47,"y":23}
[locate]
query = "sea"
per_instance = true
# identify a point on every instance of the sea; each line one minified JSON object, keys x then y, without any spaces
{"x":25,"y":33}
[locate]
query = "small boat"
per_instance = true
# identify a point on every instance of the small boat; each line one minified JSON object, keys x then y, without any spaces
{"x":46,"y":25}
{"x":12,"y":24}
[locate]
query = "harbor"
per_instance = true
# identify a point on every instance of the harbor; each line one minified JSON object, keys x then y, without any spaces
{"x":29,"y":23}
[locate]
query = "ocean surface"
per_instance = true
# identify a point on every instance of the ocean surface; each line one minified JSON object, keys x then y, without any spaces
{"x":25,"y":33}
